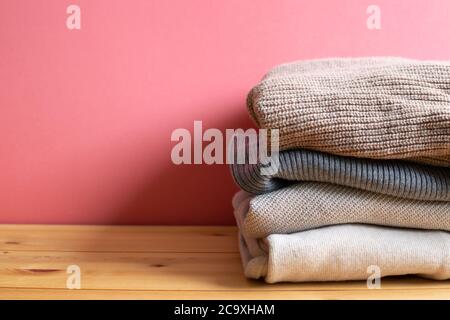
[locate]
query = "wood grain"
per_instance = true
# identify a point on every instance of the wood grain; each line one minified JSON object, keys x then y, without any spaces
{"x":117,"y":238}
{"x":44,"y":294}
{"x":160,"y":263}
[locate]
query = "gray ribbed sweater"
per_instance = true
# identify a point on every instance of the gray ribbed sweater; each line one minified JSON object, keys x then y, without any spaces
{"x":396,"y":178}
{"x":341,"y":252}
{"x":384,"y":108}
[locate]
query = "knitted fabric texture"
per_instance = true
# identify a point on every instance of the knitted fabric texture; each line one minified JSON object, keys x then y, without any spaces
{"x":311,"y":205}
{"x":343,"y":252}
{"x":383,"y":108}
{"x":397,"y":178}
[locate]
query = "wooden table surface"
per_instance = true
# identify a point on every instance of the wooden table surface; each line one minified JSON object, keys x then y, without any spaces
{"x":124,"y":262}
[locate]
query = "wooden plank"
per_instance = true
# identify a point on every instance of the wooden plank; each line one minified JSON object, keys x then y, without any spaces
{"x":45,"y":294}
{"x":117,"y":238}
{"x":157,"y":271}
{"x":159,"y":263}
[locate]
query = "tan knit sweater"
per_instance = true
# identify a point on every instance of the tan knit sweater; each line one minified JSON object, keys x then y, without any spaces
{"x":384,"y":108}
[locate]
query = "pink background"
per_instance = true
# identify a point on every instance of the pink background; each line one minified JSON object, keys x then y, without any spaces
{"x":86,"y":116}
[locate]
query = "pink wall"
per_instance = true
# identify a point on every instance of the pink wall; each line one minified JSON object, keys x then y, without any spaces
{"x":86,"y":116}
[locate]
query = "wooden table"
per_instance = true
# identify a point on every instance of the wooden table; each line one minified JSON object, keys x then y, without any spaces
{"x":125,"y":262}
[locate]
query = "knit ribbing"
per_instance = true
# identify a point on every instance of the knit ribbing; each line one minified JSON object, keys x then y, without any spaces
{"x":311,"y":205}
{"x":383,"y":108}
{"x":396,"y":178}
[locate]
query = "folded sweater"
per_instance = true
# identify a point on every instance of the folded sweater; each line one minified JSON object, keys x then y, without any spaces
{"x":397,"y":178}
{"x":311,"y":205}
{"x":383,"y":108}
{"x":342,"y":252}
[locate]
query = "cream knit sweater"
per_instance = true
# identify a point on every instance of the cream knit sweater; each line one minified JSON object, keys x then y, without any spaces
{"x":384,"y":108}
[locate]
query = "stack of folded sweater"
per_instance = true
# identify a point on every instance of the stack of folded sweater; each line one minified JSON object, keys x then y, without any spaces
{"x":364,"y":172}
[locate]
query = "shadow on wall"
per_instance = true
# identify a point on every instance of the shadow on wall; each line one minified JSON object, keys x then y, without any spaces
{"x":186,"y":194}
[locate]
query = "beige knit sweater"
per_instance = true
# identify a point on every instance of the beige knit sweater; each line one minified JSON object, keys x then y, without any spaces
{"x":384,"y":108}
{"x":311,"y":205}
